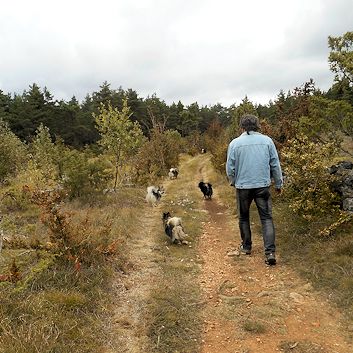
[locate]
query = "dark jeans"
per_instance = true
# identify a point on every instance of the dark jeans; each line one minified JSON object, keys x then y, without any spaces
{"x":263,"y":202}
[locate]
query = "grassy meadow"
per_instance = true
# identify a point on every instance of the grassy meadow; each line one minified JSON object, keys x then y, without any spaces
{"x":54,"y":302}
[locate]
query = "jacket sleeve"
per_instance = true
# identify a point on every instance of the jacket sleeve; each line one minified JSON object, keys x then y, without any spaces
{"x":275,"y":166}
{"x":230,"y":165}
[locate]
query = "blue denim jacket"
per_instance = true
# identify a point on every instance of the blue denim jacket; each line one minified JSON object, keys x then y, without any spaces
{"x":252,"y":161}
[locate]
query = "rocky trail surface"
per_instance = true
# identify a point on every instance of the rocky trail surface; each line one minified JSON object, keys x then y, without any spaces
{"x":252,"y":307}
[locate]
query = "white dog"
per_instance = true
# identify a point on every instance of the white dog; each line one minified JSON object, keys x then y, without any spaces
{"x":154,"y":194}
{"x":173,"y":173}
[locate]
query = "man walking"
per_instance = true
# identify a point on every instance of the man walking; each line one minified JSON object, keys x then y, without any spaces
{"x":252,"y":161}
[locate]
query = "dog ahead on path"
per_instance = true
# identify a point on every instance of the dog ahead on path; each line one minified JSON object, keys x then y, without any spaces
{"x":206,"y":189}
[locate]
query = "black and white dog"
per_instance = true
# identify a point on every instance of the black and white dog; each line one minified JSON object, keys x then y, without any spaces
{"x":173,"y":173}
{"x":174,"y":228}
{"x":154,"y":194}
{"x":206,"y":189}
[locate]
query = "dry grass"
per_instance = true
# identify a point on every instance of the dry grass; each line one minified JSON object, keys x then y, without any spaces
{"x":254,"y":326}
{"x":326,"y":262}
{"x":55,"y":306}
{"x":57,"y":314}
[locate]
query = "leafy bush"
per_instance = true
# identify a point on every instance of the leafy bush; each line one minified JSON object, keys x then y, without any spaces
{"x":13,"y":152}
{"x":79,"y":242}
{"x":14,"y":196}
{"x":194,"y":142}
{"x":44,"y":152}
{"x":219,"y":155}
{"x":325,"y":119}
{"x":120,"y":136}
{"x":14,"y":199}
{"x":83,"y":175}
{"x":308,"y":183}
{"x":157,"y":155}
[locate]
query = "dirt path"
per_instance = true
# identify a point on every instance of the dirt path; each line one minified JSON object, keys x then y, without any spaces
{"x":247,"y":307}
{"x":255,"y":308}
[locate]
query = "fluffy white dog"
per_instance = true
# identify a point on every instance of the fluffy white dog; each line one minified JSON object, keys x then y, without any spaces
{"x":173,"y":173}
{"x":154,"y":194}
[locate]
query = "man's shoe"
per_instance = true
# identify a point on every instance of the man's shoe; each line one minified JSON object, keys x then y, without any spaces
{"x":244,"y":251}
{"x":270,"y":259}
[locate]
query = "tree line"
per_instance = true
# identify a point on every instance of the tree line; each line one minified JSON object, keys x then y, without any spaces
{"x":74,"y":123}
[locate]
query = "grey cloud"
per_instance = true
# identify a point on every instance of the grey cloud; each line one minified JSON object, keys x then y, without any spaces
{"x":180,"y":50}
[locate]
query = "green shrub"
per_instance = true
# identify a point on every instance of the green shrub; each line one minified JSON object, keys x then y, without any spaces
{"x":44,"y":152}
{"x":308,"y":183}
{"x":254,"y":326}
{"x":13,"y":152}
{"x":70,"y":300}
{"x":157,"y":155}
{"x":219,"y":156}
{"x":83,"y":175}
{"x":82,"y":241}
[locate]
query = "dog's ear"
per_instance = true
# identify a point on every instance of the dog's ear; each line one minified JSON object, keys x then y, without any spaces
{"x":166,"y":215}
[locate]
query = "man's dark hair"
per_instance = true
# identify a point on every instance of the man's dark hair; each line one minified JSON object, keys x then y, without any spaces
{"x":249,"y":122}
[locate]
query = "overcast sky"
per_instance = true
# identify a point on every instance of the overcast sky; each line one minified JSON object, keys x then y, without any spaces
{"x":209,"y":51}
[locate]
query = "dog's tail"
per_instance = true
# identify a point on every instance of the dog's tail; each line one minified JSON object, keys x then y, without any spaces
{"x":178,"y":233}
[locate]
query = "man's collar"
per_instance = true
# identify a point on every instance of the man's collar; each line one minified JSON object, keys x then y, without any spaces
{"x":250,"y":133}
